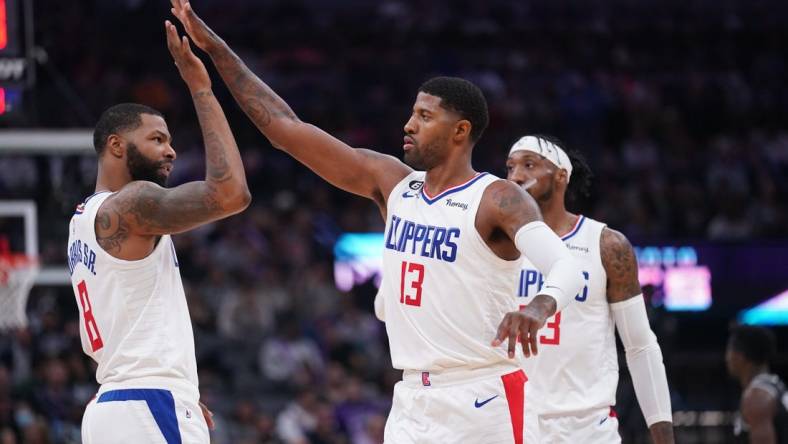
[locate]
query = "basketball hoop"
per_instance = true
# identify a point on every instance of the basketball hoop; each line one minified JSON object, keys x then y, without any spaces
{"x":17,"y":275}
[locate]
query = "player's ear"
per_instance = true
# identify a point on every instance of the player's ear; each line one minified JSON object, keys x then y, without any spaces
{"x":115,"y":146}
{"x":462,"y":130}
{"x":562,"y":177}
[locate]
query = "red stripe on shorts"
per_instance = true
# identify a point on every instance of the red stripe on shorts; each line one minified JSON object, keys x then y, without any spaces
{"x":514,"y":386}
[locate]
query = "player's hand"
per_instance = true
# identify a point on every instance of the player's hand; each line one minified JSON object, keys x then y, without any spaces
{"x":208,"y":415}
{"x":189,"y":65}
{"x":525,"y":324}
{"x":200,"y":33}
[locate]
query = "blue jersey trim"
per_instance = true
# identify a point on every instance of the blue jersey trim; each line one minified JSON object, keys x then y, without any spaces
{"x":576,"y":229}
{"x":450,"y":190}
{"x":81,"y":207}
{"x":161,"y":405}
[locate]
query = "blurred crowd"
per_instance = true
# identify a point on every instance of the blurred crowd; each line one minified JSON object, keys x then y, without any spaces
{"x":679,"y":107}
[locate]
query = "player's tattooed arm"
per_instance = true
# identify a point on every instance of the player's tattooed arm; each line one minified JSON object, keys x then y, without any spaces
{"x":225,"y":179}
{"x":621,"y":266}
{"x":506,"y":207}
{"x":144,"y":208}
{"x":363,"y":172}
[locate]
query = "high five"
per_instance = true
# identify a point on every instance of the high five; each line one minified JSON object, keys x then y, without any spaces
{"x":453,"y":241}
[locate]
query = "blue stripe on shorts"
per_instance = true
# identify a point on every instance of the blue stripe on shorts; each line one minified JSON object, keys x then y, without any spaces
{"x":161,"y":405}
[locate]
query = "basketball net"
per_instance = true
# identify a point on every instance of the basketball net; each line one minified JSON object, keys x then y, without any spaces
{"x":17,"y":275}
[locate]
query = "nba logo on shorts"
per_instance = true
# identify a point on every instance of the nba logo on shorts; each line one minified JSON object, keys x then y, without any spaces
{"x":425,"y":378}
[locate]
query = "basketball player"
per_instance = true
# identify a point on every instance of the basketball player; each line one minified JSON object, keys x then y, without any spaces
{"x":763,"y":413}
{"x":134,"y":321}
{"x":577,"y":368}
{"x":452,"y":247}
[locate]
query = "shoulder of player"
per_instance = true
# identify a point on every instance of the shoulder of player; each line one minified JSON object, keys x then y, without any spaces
{"x":128,"y":208}
{"x":504,"y":196}
{"x":758,"y":404}
{"x":615,"y":248}
{"x":620,"y":264}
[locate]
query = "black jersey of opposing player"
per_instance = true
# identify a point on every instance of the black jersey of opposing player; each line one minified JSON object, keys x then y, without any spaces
{"x":774,"y":385}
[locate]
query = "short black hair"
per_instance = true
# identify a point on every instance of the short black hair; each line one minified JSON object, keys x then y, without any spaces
{"x":757,"y":344}
{"x":120,"y":117}
{"x":462,"y":97}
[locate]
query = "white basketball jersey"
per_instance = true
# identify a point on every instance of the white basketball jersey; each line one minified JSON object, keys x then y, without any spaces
{"x":134,"y":321}
{"x":577,"y":365}
{"x":443,"y":291}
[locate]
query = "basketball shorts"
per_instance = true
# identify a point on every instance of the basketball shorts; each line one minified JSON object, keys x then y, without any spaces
{"x":599,"y":426}
{"x":134,"y":416}
{"x":456,"y":408}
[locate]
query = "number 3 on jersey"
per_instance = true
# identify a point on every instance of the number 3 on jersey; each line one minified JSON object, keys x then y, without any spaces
{"x":413,"y":273}
{"x":90,"y":322}
{"x":554,"y":325}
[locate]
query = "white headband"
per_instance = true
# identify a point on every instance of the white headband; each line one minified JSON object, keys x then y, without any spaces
{"x":546,"y":149}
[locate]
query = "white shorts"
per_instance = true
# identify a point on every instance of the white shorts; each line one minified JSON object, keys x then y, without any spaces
{"x":134,"y":416}
{"x":432,"y":409}
{"x":598,"y":426}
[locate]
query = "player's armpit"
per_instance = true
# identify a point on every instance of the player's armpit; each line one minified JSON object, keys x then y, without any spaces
{"x":144,"y":208}
{"x":621,"y":266}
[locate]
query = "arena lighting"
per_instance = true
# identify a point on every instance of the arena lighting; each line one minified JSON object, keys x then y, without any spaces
{"x":774,"y":311}
{"x":685,"y":283}
{"x":3,"y":26}
{"x":2,"y":99}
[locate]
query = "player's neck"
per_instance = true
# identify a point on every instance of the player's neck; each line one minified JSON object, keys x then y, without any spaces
{"x":556,"y":217}
{"x":445,"y":176}
{"x":750,"y":373}
{"x":107,"y":180}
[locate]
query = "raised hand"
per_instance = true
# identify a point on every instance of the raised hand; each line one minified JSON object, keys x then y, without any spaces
{"x":189,"y":65}
{"x":200,"y":33}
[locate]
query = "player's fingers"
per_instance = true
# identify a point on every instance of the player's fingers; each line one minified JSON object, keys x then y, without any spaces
{"x":187,"y":48}
{"x":500,"y":335}
{"x":513,"y":333}
{"x":525,"y":340}
{"x":533,"y":334}
{"x":169,"y":29}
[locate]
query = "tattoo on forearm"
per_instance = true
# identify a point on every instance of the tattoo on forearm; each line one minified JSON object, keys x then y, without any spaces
{"x":257,"y":99}
{"x":216,"y":163}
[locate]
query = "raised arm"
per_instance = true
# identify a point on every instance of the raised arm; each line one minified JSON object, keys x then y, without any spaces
{"x":643,"y":354}
{"x":510,"y":211}
{"x":145,"y":209}
{"x":359,"y":171}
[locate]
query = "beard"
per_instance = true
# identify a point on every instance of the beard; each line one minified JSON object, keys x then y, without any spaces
{"x":545,"y":195}
{"x":142,"y":168}
{"x":423,"y":158}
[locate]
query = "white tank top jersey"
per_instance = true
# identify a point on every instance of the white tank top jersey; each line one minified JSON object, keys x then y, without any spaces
{"x":443,"y":291}
{"x":134,"y":321}
{"x":577,"y":364}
